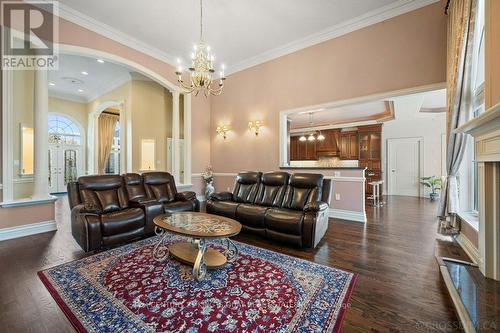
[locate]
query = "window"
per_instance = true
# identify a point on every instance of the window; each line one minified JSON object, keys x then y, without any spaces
{"x":63,"y":131}
{"x":477,"y":93}
{"x":148,"y":154}
{"x":113,"y":162}
{"x":468,"y":173}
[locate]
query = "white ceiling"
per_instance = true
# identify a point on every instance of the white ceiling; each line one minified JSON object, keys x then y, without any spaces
{"x":433,"y":101}
{"x":68,"y":79}
{"x":348,"y":113}
{"x":241,"y":33}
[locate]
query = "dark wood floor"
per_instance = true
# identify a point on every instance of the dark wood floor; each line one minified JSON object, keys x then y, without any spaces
{"x":399,"y":288}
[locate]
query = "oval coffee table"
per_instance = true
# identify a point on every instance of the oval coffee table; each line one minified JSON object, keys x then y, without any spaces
{"x":200,"y":228}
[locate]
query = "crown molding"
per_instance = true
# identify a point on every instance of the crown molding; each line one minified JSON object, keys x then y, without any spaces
{"x":105,"y":30}
{"x":67,"y":97}
{"x":376,"y":16}
{"x":381,"y":14}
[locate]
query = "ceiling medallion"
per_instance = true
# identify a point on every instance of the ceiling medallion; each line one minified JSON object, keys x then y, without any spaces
{"x":201,"y":70}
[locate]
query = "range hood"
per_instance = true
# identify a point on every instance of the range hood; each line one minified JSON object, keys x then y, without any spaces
{"x":331,"y":148}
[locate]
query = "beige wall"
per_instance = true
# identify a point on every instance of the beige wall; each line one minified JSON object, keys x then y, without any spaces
{"x":492,"y":53}
{"x":403,"y":52}
{"x":77,"y":111}
{"x":151,"y":119}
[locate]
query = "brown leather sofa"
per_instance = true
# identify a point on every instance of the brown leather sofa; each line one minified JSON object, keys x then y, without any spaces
{"x":111,"y":209}
{"x":288,"y":208}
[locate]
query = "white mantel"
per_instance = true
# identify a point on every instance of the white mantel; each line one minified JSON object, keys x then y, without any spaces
{"x":486,"y":132}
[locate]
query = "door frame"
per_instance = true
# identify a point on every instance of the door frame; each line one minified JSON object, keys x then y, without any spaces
{"x":79,"y":151}
{"x":420,"y":141}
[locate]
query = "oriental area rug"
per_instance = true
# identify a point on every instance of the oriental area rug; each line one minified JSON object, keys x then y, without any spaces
{"x":126,"y":290}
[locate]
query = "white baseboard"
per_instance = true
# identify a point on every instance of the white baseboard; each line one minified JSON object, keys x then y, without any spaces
{"x":27,"y":230}
{"x":347,"y":215}
{"x":469,"y":248}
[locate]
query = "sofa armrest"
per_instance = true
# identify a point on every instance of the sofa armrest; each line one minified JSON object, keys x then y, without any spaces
{"x":151,"y":208}
{"x":222,"y":196}
{"x":315,"y":206}
{"x":185,"y":196}
{"x":141,"y":201}
{"x":86,"y":228}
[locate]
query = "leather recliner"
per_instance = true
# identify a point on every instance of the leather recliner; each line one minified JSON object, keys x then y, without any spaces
{"x":111,"y":209}
{"x":288,"y":208}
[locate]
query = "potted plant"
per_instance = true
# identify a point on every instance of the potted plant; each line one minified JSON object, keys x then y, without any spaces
{"x":434,"y":184}
{"x":208,"y":177}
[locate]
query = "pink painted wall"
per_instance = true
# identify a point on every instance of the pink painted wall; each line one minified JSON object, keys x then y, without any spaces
{"x":17,"y":216}
{"x":403,"y":52}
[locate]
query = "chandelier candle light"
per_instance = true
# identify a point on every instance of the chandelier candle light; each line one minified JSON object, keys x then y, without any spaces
{"x":201,"y":70}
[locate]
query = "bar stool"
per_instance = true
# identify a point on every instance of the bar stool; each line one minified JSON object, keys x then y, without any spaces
{"x":376,"y":196}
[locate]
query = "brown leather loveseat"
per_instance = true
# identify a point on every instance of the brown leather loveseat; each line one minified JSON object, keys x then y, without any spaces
{"x":111,"y":209}
{"x":288,"y":208}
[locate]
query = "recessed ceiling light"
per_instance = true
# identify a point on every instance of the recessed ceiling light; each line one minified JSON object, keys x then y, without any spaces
{"x":80,"y":90}
{"x":85,"y":73}
{"x":100,"y":61}
{"x":52,"y":84}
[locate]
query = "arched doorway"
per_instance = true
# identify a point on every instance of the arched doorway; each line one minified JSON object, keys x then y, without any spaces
{"x":65,"y":151}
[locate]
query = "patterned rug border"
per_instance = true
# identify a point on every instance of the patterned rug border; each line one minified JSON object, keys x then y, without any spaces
{"x":77,"y":325}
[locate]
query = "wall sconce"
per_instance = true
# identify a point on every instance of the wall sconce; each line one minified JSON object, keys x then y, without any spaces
{"x":222,"y":131}
{"x":255,"y":126}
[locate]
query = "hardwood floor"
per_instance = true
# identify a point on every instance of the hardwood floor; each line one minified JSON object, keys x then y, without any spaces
{"x":399,"y":288}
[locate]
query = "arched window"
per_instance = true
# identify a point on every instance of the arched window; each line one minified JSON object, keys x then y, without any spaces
{"x":63,"y":130}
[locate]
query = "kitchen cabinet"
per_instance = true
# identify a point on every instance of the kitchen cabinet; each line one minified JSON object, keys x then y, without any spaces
{"x":329,"y":146}
{"x":370,"y":148}
{"x":302,"y":150}
{"x":349,"y":149}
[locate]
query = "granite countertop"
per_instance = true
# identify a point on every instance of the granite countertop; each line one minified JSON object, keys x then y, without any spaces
{"x":324,"y":168}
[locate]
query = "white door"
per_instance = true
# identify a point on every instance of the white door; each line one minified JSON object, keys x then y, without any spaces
{"x":404,"y":164}
{"x":65,"y":165}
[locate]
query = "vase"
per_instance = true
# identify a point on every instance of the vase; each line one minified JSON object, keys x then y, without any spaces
{"x":209,"y":190}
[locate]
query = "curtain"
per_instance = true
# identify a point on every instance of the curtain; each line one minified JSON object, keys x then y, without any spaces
{"x":459,"y":104}
{"x":106,"y":133}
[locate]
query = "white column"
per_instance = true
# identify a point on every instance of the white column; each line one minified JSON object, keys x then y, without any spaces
{"x":40,"y":128}
{"x":176,"y":163}
{"x":7,"y":137}
{"x":187,"y":139}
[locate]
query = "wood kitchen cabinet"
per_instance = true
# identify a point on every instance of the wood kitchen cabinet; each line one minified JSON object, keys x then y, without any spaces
{"x":349,"y":149}
{"x":328,"y":147}
{"x":302,"y":150}
{"x":370,"y":148}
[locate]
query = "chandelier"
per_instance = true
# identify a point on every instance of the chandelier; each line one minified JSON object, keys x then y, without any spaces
{"x":201,"y":70}
{"x":311,"y":136}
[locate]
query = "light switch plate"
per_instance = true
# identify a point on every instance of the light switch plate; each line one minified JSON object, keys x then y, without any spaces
{"x":337,"y":196}
{"x":336,"y":173}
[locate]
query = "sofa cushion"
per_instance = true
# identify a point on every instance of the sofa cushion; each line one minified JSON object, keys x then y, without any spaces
{"x":224,"y":208}
{"x":302,"y":189}
{"x":284,"y":220}
{"x":272,"y":189}
{"x":122,"y":221}
{"x":160,"y":185}
{"x":246,"y":186}
{"x":178,"y":206}
{"x":251,"y":215}
{"x":109,"y":200}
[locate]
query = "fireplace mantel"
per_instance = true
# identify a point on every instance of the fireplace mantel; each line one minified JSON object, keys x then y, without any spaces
{"x":486,"y":132}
